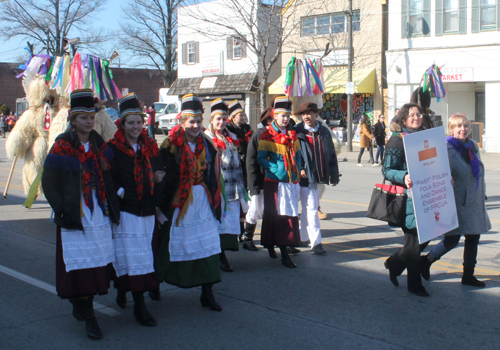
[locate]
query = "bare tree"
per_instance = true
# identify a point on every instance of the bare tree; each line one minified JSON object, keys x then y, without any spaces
{"x":51,"y":22}
{"x":262,"y":26}
{"x":150,"y":32}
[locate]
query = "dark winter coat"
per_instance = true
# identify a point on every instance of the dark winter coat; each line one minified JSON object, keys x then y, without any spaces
{"x":379,"y":133}
{"x":61,"y":183}
{"x":332,"y":167}
{"x":241,"y":133}
{"x":167,"y":189}
{"x":255,"y":173}
{"x":122,"y":171}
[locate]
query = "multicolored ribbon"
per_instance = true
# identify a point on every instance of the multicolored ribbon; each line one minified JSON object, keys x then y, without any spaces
{"x":304,"y":75}
{"x":433,"y":82}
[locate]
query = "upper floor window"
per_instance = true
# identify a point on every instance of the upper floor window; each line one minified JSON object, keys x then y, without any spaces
{"x":191,"y":52}
{"x":415,"y":18}
{"x":451,"y":16}
{"x":329,"y":24}
{"x":485,"y":15}
{"x":236,"y":48}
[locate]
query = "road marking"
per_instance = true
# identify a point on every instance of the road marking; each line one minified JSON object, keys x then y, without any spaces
{"x":17,"y":187}
{"x":16,"y":171}
{"x":340,"y":202}
{"x":50,"y":288}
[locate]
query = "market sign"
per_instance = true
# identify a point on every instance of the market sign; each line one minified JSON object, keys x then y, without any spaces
{"x":208,"y":83}
{"x":211,"y":63}
{"x":450,"y":75}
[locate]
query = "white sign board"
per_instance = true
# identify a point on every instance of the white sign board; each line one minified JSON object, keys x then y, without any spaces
{"x":450,"y":75}
{"x":432,"y":191}
{"x":208,"y":82}
{"x":211,"y":63}
{"x":349,"y":88}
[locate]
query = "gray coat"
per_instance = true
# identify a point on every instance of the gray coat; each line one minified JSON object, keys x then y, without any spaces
{"x":471,"y":209}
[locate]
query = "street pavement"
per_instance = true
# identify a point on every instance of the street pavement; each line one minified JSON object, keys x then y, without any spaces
{"x":343,"y":300}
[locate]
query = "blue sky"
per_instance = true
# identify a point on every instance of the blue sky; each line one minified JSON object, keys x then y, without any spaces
{"x":108,"y":19}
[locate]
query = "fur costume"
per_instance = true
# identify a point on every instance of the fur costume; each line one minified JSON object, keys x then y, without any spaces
{"x":29,"y":139}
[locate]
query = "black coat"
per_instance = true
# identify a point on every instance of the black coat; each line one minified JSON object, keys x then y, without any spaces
{"x":332,"y":166}
{"x":61,"y":183}
{"x":122,"y":171}
{"x":241,"y":132}
{"x":379,"y":133}
{"x":167,"y":189}
{"x":255,"y":173}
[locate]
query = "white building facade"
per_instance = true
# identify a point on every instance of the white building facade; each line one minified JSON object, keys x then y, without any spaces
{"x":215,"y":61}
{"x":462,"y":37}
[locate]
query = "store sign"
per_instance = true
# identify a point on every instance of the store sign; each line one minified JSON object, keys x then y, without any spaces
{"x":208,"y":83}
{"x":211,"y":63}
{"x":450,"y":75}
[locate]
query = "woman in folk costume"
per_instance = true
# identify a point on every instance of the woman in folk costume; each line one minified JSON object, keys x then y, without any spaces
{"x":232,"y":181}
{"x":79,"y":188}
{"x":237,"y":124}
{"x":279,"y":154}
{"x":135,"y":166}
{"x":189,"y":201}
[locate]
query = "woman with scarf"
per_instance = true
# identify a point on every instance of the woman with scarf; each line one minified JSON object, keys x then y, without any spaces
{"x":395,"y":170}
{"x":469,"y":187}
{"x":135,"y":167}
{"x":78,"y":186}
{"x":279,"y":154}
{"x":189,"y":203}
{"x":233,"y":190}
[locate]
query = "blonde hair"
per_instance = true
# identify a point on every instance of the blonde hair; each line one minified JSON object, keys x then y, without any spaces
{"x":457,"y":119}
{"x":184,"y":118}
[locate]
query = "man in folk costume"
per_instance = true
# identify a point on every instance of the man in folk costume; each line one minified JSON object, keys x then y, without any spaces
{"x":319,"y":166}
{"x":79,"y":188}
{"x":189,"y":197}
{"x":279,"y":155}
{"x":237,"y":124}
{"x":136,"y":166}
{"x":255,"y":181}
{"x":233,"y":190}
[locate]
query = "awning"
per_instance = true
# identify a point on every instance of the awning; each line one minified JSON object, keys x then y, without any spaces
{"x":335,"y":79}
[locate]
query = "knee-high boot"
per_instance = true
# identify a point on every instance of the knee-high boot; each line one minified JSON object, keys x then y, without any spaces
{"x":91,"y":325}
{"x":248,"y":241}
{"x":78,"y":311}
{"x":224,"y":264}
{"x":285,"y":258}
{"x":242,"y":231}
{"x":141,"y":312}
{"x":207,"y":298}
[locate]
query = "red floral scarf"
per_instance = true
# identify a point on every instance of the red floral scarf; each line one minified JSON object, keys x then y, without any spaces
{"x":90,"y":162}
{"x":219,"y":138}
{"x":147,"y":149}
{"x":288,"y":140}
{"x":187,"y":165}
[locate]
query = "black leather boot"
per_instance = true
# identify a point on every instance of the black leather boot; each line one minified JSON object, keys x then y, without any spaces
{"x":155,"y":294}
{"x":469,"y":279}
{"x":91,"y":325}
{"x":248,"y":240}
{"x":207,"y":298}
{"x":121,"y":298}
{"x":242,"y":231}
{"x":285,"y":258}
{"x":393,"y":276}
{"x":425,"y":266}
{"x":272,"y":252}
{"x":141,"y":312}
{"x":78,"y":311}
{"x":224,"y":264}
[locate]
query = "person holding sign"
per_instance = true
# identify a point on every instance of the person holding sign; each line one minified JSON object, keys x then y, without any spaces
{"x":395,"y":170}
{"x":467,"y":171}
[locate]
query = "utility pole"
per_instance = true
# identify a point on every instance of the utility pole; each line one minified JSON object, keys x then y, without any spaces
{"x":349,"y":80}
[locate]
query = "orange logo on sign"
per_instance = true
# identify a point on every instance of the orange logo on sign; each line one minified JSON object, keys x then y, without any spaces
{"x":428,"y":153}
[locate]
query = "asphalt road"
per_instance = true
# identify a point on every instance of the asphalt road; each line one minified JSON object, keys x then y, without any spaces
{"x":343,"y":300}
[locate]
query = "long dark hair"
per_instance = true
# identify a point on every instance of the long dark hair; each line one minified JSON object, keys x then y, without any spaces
{"x":404,"y":112}
{"x":365,"y":120}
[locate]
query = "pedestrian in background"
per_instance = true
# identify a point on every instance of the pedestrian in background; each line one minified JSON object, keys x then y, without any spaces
{"x":189,"y":203}
{"x":255,"y":181}
{"x":279,"y":155}
{"x":380,"y":134}
{"x":135,"y":167}
{"x":2,"y":124}
{"x":396,"y":171}
{"x":469,"y":187}
{"x":365,"y":140}
{"x":232,"y":181}
{"x":78,"y":186}
{"x":318,"y":166}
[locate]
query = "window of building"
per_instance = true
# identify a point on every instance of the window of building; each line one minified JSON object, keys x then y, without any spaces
{"x":415,"y":18}
{"x":236,"y":48}
{"x":191,"y":52}
{"x":488,"y":14}
{"x":329,"y":24}
{"x":451,"y":16}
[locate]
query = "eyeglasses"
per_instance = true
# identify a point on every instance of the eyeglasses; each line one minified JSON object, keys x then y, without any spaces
{"x":415,"y":116}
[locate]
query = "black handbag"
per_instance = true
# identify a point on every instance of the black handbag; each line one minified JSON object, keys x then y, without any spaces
{"x":388,"y":203}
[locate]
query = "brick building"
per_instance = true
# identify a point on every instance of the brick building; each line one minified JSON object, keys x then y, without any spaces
{"x":146,"y":83}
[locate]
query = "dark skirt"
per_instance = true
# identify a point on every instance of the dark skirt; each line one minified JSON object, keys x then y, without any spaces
{"x":277,"y":229}
{"x":229,"y":242}
{"x":80,"y":283}
{"x":184,"y":274}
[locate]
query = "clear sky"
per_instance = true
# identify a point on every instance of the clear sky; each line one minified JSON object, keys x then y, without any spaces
{"x":108,"y":19}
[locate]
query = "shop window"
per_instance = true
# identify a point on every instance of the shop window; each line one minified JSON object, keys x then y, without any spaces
{"x":191,"y":53}
{"x":415,"y":18}
{"x":485,"y":15}
{"x":329,"y":24}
